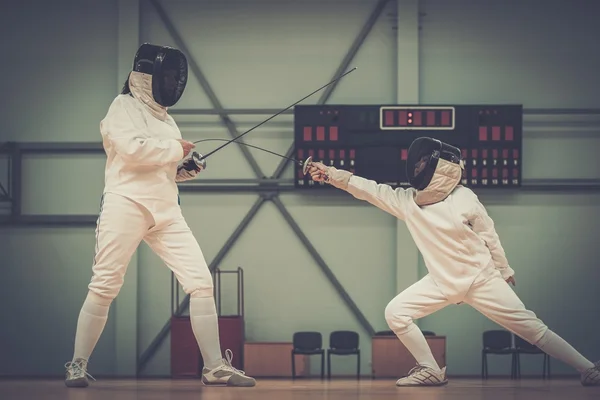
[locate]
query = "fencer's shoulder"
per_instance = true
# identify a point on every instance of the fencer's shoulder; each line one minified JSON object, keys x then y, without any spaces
{"x":122,"y":100}
{"x":464,"y":193}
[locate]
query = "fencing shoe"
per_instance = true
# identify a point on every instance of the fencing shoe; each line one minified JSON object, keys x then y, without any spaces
{"x":591,"y":376}
{"x":423,"y":376}
{"x":226,"y":374}
{"x":76,"y":375}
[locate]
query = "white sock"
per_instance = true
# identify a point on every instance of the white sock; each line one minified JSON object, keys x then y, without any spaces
{"x":557,"y":347}
{"x":415,"y":342}
{"x":91,"y":322}
{"x":203,"y":316}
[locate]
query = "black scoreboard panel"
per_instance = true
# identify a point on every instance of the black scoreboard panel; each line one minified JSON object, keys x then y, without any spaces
{"x":372,"y":141}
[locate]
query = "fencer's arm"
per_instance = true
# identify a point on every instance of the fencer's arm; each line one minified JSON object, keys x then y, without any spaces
{"x":382,"y":196}
{"x":483,"y":225}
{"x":132,"y":144}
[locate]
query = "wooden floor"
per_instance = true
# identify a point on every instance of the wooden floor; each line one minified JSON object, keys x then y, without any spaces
{"x":302,"y":389}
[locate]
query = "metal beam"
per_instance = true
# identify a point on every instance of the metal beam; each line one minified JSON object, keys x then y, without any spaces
{"x":206,"y":86}
{"x":48,"y":220}
{"x":265,"y":187}
{"x":59,"y":147}
{"x":239,"y":185}
{"x":232,"y":111}
{"x":161,"y":336}
{"x":16,"y":189}
{"x":561,"y":111}
{"x":352,"y":51}
{"x":324,"y":267}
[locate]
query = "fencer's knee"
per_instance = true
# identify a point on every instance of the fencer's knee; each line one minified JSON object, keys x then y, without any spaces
{"x":98,"y":299}
{"x":542,"y":340}
{"x":536,"y":335}
{"x":200,"y":285}
{"x":397,"y":320}
{"x":532,"y":331}
{"x":206,"y":291}
{"x":103,"y":293}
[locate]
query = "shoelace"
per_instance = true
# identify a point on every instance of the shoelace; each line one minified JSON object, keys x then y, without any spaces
{"x":416,"y":369}
{"x":78,"y":368}
{"x":228,"y":360}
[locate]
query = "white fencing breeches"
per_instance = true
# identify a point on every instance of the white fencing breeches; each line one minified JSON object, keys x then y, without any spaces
{"x":122,"y":225}
{"x":489,"y":294}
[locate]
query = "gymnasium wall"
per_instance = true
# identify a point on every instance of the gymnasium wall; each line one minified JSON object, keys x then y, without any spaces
{"x":70,"y":58}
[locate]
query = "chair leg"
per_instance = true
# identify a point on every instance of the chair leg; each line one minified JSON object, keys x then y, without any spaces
{"x":483,"y":365}
{"x":358,"y":366}
{"x":544,"y":369}
{"x":328,"y":365}
{"x":547,"y":365}
{"x":322,"y":365}
{"x":513,"y":368}
{"x":293,"y":366}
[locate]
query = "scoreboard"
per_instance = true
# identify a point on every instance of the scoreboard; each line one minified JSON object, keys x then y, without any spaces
{"x":372,"y":141}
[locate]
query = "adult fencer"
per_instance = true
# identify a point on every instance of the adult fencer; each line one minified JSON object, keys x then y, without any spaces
{"x":465,"y":260}
{"x":146,"y":157}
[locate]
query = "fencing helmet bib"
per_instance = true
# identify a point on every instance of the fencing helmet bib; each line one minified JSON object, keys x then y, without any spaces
{"x":168,"y":68}
{"x":434,"y":168}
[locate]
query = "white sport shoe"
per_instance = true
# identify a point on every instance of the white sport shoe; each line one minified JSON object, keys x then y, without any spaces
{"x":226,"y":374}
{"x":76,"y":375}
{"x":423,"y":376}
{"x":591,"y":377}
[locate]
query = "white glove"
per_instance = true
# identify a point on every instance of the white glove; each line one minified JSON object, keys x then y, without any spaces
{"x":339,"y":178}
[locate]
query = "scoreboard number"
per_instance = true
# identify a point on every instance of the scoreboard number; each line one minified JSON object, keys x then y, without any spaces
{"x":416,"y":118}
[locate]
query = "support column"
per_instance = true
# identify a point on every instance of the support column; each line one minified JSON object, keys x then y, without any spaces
{"x":407,"y":257}
{"x":408,"y":52}
{"x":125,"y":305}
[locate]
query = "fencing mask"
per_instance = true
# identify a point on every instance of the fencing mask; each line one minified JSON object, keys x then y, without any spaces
{"x":434,"y":168}
{"x":161,"y":72}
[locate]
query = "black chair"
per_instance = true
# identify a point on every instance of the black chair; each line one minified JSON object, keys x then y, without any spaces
{"x":524,"y":347}
{"x":498,"y":342}
{"x":428,"y":333}
{"x":343,"y":343}
{"x":308,"y":343}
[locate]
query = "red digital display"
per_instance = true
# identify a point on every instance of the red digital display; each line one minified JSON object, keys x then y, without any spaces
{"x":424,"y":118}
{"x":333,"y":133}
{"x":495,"y":133}
{"x":320,"y":133}
{"x":307,"y":133}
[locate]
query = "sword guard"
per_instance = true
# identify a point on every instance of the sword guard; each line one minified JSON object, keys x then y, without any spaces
{"x":306,"y":165}
{"x":199,"y":160}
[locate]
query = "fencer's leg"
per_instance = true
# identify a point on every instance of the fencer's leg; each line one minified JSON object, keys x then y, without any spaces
{"x":419,"y":300}
{"x":90,"y":324}
{"x":119,"y":230}
{"x":495,"y":299}
{"x":177,"y":247}
{"x":203,"y":316}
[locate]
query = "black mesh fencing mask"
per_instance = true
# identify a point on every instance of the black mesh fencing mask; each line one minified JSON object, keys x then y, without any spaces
{"x":422,"y":160}
{"x":169,"y":69}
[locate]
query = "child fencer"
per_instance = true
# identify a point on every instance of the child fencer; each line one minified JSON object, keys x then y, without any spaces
{"x":462,"y":252}
{"x":146,"y":157}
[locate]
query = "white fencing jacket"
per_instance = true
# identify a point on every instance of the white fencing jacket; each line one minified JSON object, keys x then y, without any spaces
{"x":142,"y":156}
{"x":456,"y":236}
